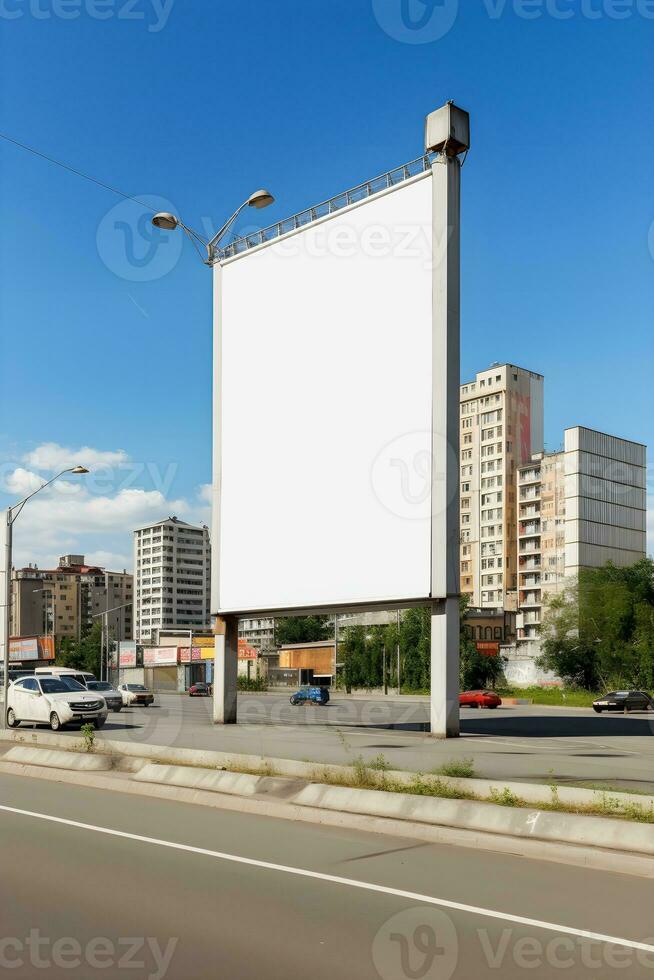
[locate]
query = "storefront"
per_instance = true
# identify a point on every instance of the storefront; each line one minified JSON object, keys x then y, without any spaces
{"x":160,"y":668}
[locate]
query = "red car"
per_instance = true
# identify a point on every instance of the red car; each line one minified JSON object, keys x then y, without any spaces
{"x":479,"y":699}
{"x":199,"y":690}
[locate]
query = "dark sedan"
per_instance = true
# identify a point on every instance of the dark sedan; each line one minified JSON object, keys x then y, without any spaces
{"x":623,"y":701}
{"x":113,"y":697}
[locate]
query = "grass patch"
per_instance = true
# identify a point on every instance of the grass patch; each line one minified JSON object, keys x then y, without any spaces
{"x":562,"y":696}
{"x":87,"y":732}
{"x":457,"y":769}
{"x":504,"y":797}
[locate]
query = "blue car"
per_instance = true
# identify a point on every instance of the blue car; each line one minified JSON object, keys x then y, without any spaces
{"x":310,"y":695}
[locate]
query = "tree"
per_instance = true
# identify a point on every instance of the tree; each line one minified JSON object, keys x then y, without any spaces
{"x":476,"y":670}
{"x":303,"y":629}
{"x":362,"y":653}
{"x":83,"y":654}
{"x":599,"y":632}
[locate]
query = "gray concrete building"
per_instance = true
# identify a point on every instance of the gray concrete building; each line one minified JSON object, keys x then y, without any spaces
{"x":172,"y":575}
{"x":577,"y":508}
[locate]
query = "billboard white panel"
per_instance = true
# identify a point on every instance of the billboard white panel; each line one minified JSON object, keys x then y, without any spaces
{"x":322,"y":473}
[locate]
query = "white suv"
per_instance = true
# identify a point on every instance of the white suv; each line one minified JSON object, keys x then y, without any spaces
{"x":49,"y":701}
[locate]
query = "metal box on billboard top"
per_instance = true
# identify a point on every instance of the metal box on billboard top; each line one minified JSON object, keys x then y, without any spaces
{"x":447,"y":129}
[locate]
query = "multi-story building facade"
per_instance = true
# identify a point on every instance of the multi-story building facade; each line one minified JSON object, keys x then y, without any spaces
{"x":172,"y":571}
{"x":501,"y":427}
{"x":65,"y":601}
{"x":258,"y":633}
{"x":577,"y":508}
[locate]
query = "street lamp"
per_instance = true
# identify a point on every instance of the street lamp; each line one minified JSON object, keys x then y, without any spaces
{"x":53,"y":621}
{"x":169,"y":222}
{"x":11,"y":514}
{"x":105,"y":631}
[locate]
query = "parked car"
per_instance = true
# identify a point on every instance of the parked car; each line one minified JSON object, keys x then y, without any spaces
{"x":310,"y":695}
{"x":113,"y":698}
{"x":136,"y":694}
{"x":48,"y":700}
{"x":81,"y":676}
{"x":623,"y":701}
{"x":479,"y":699}
{"x":199,"y":690}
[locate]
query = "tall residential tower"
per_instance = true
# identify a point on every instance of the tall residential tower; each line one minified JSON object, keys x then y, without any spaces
{"x":172,"y":575}
{"x":501,"y":427}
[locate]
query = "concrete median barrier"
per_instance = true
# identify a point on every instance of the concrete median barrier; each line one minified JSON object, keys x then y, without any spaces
{"x":26,"y":755}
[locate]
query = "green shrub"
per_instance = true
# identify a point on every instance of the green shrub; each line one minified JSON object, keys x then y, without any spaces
{"x":458,"y":769}
{"x":251,"y":683}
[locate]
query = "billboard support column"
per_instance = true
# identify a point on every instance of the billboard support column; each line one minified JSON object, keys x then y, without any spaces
{"x":448,"y":133}
{"x":225,"y":671}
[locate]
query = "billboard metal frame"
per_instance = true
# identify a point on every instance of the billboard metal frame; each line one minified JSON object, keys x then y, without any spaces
{"x":445,"y":173}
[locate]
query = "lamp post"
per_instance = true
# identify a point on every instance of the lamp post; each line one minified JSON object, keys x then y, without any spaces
{"x":224,"y":687}
{"x":11,"y":515}
{"x":168,"y":222}
{"x":105,"y":629}
{"x":53,"y":619}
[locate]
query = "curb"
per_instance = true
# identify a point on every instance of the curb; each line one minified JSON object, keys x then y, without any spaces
{"x":534,"y":793}
{"x":595,"y":858}
{"x":403,"y":812}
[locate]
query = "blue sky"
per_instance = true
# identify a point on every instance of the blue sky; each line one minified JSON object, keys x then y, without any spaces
{"x":198,"y":103}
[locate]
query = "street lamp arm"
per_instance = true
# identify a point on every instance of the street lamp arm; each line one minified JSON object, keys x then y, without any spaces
{"x":21,"y":503}
{"x":113,"y":609}
{"x":219,"y":234}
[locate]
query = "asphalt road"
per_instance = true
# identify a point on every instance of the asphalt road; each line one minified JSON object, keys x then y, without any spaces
{"x":526,"y":742}
{"x":114,"y":886}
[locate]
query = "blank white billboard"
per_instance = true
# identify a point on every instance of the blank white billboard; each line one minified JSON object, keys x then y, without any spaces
{"x":322,"y":435}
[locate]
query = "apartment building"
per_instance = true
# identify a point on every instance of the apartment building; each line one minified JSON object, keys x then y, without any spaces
{"x":577,"y":508}
{"x":172,"y":571}
{"x":65,"y":601}
{"x":258,"y":633}
{"x":501,"y":427}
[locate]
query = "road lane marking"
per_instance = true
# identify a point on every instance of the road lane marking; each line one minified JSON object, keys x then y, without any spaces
{"x":337,"y":880}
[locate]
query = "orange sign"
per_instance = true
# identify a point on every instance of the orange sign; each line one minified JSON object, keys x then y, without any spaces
{"x":31,"y":648}
{"x":488,"y":648}
{"x":246,"y":652}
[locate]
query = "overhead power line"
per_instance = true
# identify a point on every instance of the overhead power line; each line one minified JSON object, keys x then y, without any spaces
{"x":72,"y":170}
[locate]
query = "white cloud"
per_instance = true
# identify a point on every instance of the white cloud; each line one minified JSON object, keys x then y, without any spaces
{"x":205,"y":493}
{"x":21,"y":481}
{"x":52,"y":457}
{"x":123,"y":512}
{"x":93,"y":526}
{"x":93,"y":515}
{"x":109,"y":559}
